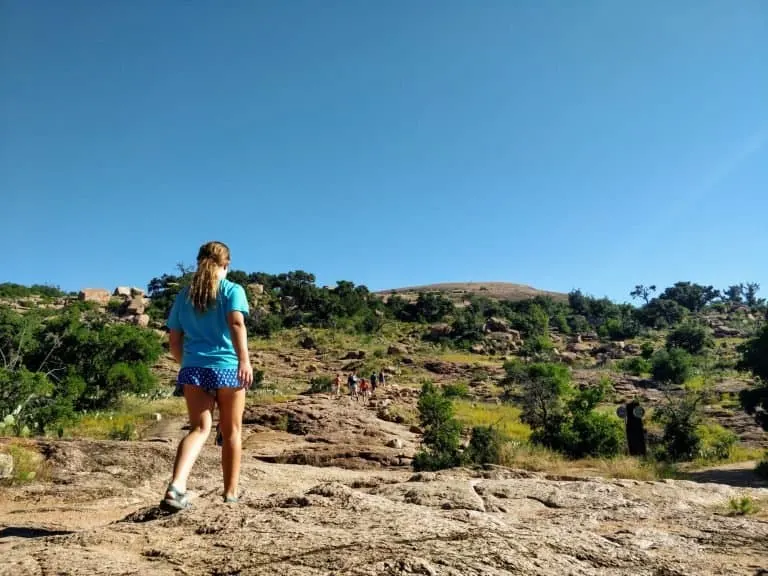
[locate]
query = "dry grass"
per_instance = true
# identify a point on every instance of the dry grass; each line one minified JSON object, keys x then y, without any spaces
{"x":504,"y":417}
{"x":538,"y":459}
{"x":127,"y":420}
{"x":28,"y":464}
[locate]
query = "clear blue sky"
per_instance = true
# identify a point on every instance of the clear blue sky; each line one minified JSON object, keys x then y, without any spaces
{"x":562,"y":144}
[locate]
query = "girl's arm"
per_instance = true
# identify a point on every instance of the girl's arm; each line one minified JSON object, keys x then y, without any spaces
{"x":176,"y":342}
{"x":239,"y":334}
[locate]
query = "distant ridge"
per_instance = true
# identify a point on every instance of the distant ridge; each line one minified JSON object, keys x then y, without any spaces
{"x":498,"y":290}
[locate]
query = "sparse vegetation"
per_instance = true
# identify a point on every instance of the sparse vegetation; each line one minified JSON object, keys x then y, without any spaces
{"x":743,"y":506}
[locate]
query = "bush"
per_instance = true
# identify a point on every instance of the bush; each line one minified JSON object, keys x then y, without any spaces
{"x":485,"y":446}
{"x":681,"y":418}
{"x":564,"y":419}
{"x":743,"y":506}
{"x":754,"y":358}
{"x":441,"y":431}
{"x":636,"y":366}
{"x":456,"y":390}
{"x":716,"y":442}
{"x":320,"y":385}
{"x":692,"y":338}
{"x":672,"y":366}
{"x":594,"y":434}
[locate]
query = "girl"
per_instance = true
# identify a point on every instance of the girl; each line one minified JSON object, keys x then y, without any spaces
{"x":208,"y":338}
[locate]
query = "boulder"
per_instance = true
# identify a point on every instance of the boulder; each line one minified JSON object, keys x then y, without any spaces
{"x":6,"y":466}
{"x":397,"y":350}
{"x":494,"y":324}
{"x":439,"y":367}
{"x":307,"y":342}
{"x":141,"y":320}
{"x":255,"y":290}
{"x":136,"y":306}
{"x":569,"y":358}
{"x":440,"y":330}
{"x":137,"y":292}
{"x":723,"y":331}
{"x":122,"y":291}
{"x":355,"y":355}
{"x":98,"y":295}
{"x":396,"y":443}
{"x":477,"y":349}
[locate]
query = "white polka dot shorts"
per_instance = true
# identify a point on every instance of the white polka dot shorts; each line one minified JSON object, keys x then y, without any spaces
{"x":209,"y":379}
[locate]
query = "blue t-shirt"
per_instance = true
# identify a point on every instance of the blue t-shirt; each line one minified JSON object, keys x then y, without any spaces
{"x":207,"y":341}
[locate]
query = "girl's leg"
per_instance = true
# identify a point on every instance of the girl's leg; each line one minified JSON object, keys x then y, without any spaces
{"x":231,"y":405}
{"x":199,"y":406}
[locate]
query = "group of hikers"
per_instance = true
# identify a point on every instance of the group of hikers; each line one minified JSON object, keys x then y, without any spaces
{"x":360,"y":388}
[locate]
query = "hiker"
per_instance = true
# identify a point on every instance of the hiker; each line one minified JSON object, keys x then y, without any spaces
{"x":373,"y":382}
{"x":351,"y":383}
{"x":208,"y":338}
{"x":365,"y":390}
{"x":337,"y":385}
{"x":381,"y":378}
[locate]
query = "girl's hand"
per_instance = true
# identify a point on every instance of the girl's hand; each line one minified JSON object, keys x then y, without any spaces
{"x":245,"y":373}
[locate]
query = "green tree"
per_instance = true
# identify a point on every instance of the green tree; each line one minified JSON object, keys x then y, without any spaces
{"x":671,"y":366}
{"x":643,"y":292}
{"x":689,"y":295}
{"x":441,"y":431}
{"x":693,"y":338}
{"x":754,"y":359}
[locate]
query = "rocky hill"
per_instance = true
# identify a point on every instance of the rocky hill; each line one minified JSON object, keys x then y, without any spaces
{"x":458,"y":291}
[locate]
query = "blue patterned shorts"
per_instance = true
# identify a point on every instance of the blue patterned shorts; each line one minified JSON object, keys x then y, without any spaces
{"x":209,"y":379}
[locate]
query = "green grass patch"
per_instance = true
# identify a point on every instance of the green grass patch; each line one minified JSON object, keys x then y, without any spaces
{"x":127,"y":421}
{"x":28,"y":464}
{"x":504,"y":417}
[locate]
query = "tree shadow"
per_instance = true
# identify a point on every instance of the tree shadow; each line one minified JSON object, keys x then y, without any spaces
{"x":28,"y":532}
{"x":738,"y":478}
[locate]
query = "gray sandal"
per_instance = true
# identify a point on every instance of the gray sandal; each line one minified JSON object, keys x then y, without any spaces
{"x":177,"y":500}
{"x":231,"y":499}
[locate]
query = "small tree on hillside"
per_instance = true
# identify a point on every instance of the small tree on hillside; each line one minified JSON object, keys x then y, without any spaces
{"x":441,"y":431}
{"x":693,"y":338}
{"x":643,"y":292}
{"x":754,"y":358}
{"x":671,"y":366}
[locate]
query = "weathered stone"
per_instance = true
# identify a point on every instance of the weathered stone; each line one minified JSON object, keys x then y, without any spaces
{"x":355,"y":355}
{"x":396,"y":443}
{"x":141,"y":320}
{"x":440,"y":330}
{"x":122,"y":291}
{"x":495,"y":324}
{"x":397,"y":350}
{"x":255,"y":290}
{"x":98,"y":295}
{"x":6,"y":466}
{"x":477,"y":349}
{"x":137,"y":292}
{"x":136,"y":306}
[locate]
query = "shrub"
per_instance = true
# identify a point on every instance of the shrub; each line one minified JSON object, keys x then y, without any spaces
{"x":485,"y":446}
{"x":636,"y":366}
{"x":126,"y":432}
{"x":716,"y":442}
{"x":456,"y":390}
{"x":743,"y":506}
{"x":320,"y":385}
{"x":754,"y":359}
{"x":647,"y":350}
{"x":594,"y":434}
{"x":564,"y":419}
{"x":671,"y":366}
{"x":441,"y":431}
{"x":692,"y":338}
{"x":681,"y":418}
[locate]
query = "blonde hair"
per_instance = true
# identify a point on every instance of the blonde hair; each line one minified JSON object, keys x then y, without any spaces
{"x":205,"y":283}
